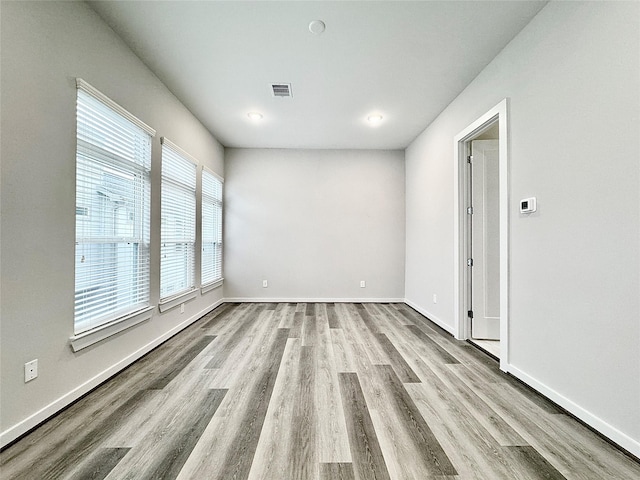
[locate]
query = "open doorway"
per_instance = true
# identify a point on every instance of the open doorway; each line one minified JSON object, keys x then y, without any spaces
{"x":483,"y":239}
{"x":482,"y":233}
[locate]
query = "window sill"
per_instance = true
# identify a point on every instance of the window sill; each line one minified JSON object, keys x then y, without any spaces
{"x":86,"y":339}
{"x":210,"y":286}
{"x":169,"y":303}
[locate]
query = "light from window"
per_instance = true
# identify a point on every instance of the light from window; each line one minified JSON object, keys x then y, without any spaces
{"x":113,"y":162}
{"x":211,"y":228}
{"x":178,"y":222}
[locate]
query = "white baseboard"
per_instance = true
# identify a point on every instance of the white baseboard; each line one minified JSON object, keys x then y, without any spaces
{"x":615,"y":435}
{"x":312,"y":300}
{"x":431,"y":317}
{"x":54,"y":407}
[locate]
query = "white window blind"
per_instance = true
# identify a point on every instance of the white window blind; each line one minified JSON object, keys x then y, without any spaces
{"x":113,"y":162}
{"x":178,"y":224}
{"x":211,"y":228}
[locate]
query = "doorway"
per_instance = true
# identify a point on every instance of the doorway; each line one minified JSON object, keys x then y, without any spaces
{"x":484,"y":240}
{"x":481,"y":187}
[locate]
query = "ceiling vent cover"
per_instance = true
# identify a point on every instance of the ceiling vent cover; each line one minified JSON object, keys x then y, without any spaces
{"x":281,"y":90}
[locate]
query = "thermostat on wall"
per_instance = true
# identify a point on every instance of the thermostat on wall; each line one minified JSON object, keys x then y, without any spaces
{"x":528,"y":205}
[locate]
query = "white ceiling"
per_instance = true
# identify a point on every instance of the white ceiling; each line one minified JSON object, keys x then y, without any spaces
{"x":404,"y":60}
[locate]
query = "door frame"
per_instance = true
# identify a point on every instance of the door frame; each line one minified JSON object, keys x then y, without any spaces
{"x":461,"y":244}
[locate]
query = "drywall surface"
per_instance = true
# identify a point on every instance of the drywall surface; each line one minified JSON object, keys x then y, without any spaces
{"x":314,"y":223}
{"x":45,"y":46}
{"x":573,"y":80}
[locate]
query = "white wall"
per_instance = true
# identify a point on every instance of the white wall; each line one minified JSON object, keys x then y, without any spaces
{"x":573,"y":79}
{"x":314,"y":223}
{"x":45,"y":46}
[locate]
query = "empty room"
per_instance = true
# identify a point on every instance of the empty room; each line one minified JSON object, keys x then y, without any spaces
{"x":320,"y":240}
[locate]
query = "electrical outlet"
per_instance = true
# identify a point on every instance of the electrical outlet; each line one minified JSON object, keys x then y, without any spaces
{"x":182,"y":308}
{"x":30,"y":370}
{"x":265,"y":284}
{"x":435,"y":298}
{"x":363,"y":284}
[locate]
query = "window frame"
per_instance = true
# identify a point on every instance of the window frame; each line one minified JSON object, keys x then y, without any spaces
{"x":171,"y":183}
{"x":215,"y":200}
{"x":113,"y":171}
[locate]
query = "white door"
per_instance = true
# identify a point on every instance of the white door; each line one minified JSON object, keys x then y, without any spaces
{"x":485,"y":241}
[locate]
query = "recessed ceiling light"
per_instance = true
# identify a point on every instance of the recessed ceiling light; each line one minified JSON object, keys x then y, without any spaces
{"x":374,"y":119}
{"x":254,"y":116}
{"x":317,"y":27}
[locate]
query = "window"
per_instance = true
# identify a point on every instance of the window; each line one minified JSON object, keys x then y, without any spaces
{"x":178,"y":224}
{"x":113,"y":162}
{"x":211,"y":228}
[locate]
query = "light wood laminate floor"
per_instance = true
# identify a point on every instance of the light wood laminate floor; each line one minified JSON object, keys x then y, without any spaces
{"x":314,"y":391}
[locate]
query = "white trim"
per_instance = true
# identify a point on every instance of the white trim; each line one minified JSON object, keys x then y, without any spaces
{"x":175,"y":300}
{"x":205,"y":168}
{"x":609,"y":431}
{"x":86,"y":339}
{"x":312,"y":300}
{"x":94,"y":92}
{"x":54,"y":407}
{"x":445,"y":326}
{"x":210,"y":286}
{"x":169,"y":144}
{"x":500,"y":113}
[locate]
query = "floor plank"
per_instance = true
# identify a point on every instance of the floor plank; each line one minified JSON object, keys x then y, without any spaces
{"x":336,"y":471}
{"x":334,"y":322}
{"x":303,"y":463}
{"x":333,"y":441}
{"x":100,"y":464}
{"x":342,"y":352}
{"x":367,"y":456}
{"x":399,"y":364}
{"x":534,"y":464}
{"x":426,"y":443}
{"x":296,"y":328}
{"x":271,"y":459}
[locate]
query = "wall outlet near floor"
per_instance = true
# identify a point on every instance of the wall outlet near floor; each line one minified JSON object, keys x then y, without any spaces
{"x":363,"y":284}
{"x":30,"y":370}
{"x":435,"y":298}
{"x":265,"y":284}
{"x":182,"y":308}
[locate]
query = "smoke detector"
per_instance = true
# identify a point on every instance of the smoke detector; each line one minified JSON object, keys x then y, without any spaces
{"x":317,"y":27}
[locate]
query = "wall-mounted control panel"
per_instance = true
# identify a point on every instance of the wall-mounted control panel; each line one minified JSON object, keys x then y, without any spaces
{"x":528,"y":205}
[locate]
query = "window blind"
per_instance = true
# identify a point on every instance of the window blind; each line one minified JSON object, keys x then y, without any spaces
{"x":178,"y":223}
{"x":211,"y":260}
{"x":113,"y":162}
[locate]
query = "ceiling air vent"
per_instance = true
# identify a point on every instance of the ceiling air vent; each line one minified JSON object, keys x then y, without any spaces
{"x":281,"y":90}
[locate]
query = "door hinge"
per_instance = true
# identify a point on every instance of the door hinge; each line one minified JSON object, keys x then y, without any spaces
{"x":470,"y":210}
{"x":469,"y":158}
{"x":469,"y":262}
{"x":470,"y":314}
